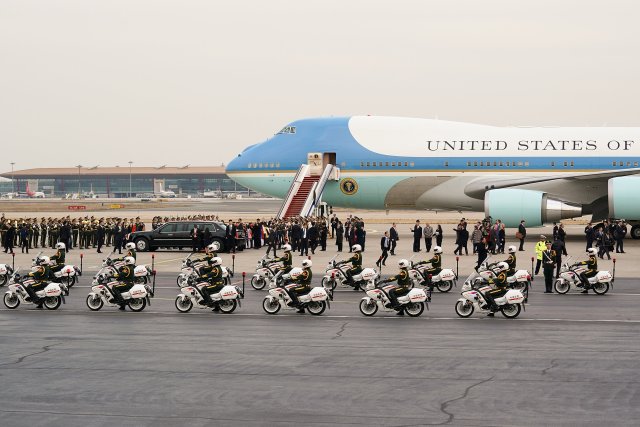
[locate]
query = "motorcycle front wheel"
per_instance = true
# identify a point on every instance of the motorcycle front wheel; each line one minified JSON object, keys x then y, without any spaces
{"x":271,"y":305}
{"x":94,"y":302}
{"x":227,"y":306}
{"x":184,"y":304}
{"x":317,"y":307}
{"x":11,"y":300}
{"x":414,"y":309}
{"x":601,"y":288}
{"x":258,"y":283}
{"x":445,"y":286}
{"x":368,"y":307}
{"x":329,"y":283}
{"x":464,"y":308}
{"x":511,"y":311}
{"x":137,"y":304}
{"x":69,"y":281}
{"x":4,"y":279}
{"x":561,"y":286}
{"x":52,"y":303}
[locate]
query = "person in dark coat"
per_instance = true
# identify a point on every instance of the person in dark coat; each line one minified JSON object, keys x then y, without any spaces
{"x":118,"y":237}
{"x":339,"y":235}
{"x":312,"y":234}
{"x":324,"y":232}
{"x":417,"y":236}
{"x":24,"y":238}
{"x":522,"y":234}
{"x":439,"y":235}
{"x":393,"y":235}
{"x":195,"y":238}
{"x":100,"y":236}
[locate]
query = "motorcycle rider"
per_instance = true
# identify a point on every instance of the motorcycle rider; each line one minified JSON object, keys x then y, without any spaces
{"x":592,"y":264}
{"x":125,"y":279}
{"x":131,"y":251}
{"x":511,"y":261}
{"x":356,"y":263}
{"x":500,"y":283}
{"x":436,"y":265}
{"x":402,"y":278}
{"x":286,"y":260}
{"x":302,"y":279}
{"x":58,"y":258}
{"x":213,"y":275}
{"x":40,"y":273}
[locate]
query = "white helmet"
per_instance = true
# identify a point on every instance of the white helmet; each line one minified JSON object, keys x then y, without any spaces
{"x":592,"y":251}
{"x":295,"y":273}
{"x":286,"y":248}
{"x":403,"y":263}
{"x":60,"y":246}
{"x":437,"y":250}
{"x":512,"y":249}
{"x":130,"y":245}
{"x":307,"y":263}
{"x":356,"y":248}
{"x":216,"y":260}
{"x":43,"y":260}
{"x":502,"y":266}
{"x":128,"y":260}
{"x":214,"y":247}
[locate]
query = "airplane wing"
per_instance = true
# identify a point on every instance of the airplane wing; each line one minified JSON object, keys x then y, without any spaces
{"x":478,"y":187}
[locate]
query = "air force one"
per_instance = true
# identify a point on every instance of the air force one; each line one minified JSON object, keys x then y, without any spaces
{"x":539,"y":174}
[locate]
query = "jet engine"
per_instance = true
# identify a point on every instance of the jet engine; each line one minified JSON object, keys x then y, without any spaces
{"x":624,"y":197}
{"x":536,"y":207}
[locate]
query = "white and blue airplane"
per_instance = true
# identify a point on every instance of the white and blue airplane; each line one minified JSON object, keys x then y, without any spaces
{"x":539,"y":174}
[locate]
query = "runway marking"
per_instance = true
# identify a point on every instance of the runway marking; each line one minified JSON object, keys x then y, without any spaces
{"x":388,"y":316}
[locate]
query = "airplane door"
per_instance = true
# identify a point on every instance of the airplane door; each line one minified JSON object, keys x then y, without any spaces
{"x":315,"y":163}
{"x":328,"y":159}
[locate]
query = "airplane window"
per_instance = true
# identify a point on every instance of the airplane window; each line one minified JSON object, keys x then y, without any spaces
{"x":373,"y":163}
{"x":571,"y":163}
{"x":635,"y":164}
{"x":628,"y":163}
{"x":343,"y":164}
{"x":406,"y":164}
{"x":399,"y":164}
{"x":393,"y":163}
{"x":526,"y":164}
{"x":261,"y":165}
{"x":475,"y":163}
{"x":488,"y":164}
{"x":412,"y":164}
{"x":249,"y":166}
{"x":495,"y":164}
{"x":277,"y":165}
{"x":368,"y":164}
{"x":615,"y":163}
{"x":361,"y":164}
{"x":481,"y":163}
{"x":468,"y":163}
{"x":255,"y":165}
{"x":565,"y":164}
{"x":272,"y":165}
{"x":446,"y":164}
{"x":553,"y":164}
{"x":501,"y":164}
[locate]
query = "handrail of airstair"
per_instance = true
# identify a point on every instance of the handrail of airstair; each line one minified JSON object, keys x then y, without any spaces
{"x":315,"y":195}
{"x":303,"y":171}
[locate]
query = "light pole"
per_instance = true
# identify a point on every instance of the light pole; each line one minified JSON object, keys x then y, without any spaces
{"x":13,"y":185}
{"x":130,"y":163}
{"x":79,"y":166}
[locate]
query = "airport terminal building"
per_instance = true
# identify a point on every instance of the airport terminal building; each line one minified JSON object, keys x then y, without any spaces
{"x":123,"y":181}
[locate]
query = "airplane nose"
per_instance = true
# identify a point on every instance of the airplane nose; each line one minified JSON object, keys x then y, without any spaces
{"x":234,"y":165}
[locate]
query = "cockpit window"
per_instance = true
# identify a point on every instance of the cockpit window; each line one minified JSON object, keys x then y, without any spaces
{"x":288,"y":129}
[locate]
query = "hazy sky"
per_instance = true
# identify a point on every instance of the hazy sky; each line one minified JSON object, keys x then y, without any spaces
{"x":194,"y":82}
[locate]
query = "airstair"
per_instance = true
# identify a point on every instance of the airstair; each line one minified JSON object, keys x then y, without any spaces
{"x":305,"y":192}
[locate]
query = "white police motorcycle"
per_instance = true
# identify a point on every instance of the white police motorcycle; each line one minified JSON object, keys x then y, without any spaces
{"x":51,"y":296}
{"x":336,"y":275}
{"x":569,"y":278}
{"x":5,"y":273}
{"x":67,"y":275}
{"x":473,"y":298}
{"x":316,"y":301}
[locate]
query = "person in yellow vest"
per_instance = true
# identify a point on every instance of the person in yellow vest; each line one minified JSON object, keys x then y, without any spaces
{"x":541,"y":246}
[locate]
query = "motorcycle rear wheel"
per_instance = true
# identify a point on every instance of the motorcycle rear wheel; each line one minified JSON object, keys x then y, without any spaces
{"x":511,"y":311}
{"x":271,"y":305}
{"x":137,"y":304}
{"x":561,"y":286}
{"x":601,"y":288}
{"x":368,"y":307}
{"x":464,"y":308}
{"x":94,"y":302}
{"x":414,"y":309}
{"x":227,"y":306}
{"x":52,"y":303}
{"x":184,"y":305}
{"x":258,"y":283}
{"x":11,"y":301}
{"x":445,"y":286}
{"x":316,"y":307}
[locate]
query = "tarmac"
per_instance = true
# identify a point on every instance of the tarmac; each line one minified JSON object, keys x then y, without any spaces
{"x":567,"y":360}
